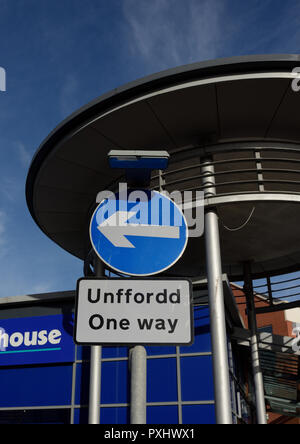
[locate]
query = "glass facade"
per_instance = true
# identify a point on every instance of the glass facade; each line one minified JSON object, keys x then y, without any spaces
{"x":179,"y":378}
{"x":179,"y":385}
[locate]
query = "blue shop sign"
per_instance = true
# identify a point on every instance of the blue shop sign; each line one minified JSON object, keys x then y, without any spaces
{"x":36,"y":340}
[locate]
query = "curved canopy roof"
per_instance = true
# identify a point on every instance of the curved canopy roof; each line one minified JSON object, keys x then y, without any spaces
{"x":226,"y":100}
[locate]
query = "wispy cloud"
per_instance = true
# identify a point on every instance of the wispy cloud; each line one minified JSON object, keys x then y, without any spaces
{"x":23,"y":154}
{"x":3,"y":233}
{"x":172,"y":32}
{"x":43,"y":287}
{"x":11,"y":189}
{"x":2,"y":227}
{"x":168,"y":33}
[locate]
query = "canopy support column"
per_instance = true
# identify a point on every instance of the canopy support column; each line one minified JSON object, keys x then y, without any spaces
{"x":216,"y":302}
{"x":252,"y":325}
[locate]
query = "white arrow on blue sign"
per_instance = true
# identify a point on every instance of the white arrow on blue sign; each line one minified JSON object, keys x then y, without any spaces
{"x":139,"y":235}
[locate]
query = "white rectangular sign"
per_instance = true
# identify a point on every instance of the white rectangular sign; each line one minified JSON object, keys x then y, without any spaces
{"x":133,"y":311}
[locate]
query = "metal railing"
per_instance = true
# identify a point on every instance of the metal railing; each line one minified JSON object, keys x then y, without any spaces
{"x":274,"y":290}
{"x":279,"y":289}
{"x":260,"y":176}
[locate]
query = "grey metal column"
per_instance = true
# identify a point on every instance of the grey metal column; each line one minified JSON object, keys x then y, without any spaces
{"x":216,"y":302}
{"x":95,"y":368}
{"x":138,"y":389}
{"x":252,"y":325}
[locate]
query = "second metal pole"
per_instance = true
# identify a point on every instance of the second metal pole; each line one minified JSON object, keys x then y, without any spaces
{"x":252,"y":325}
{"x":216,"y":303}
{"x":138,"y":389}
{"x":95,"y":368}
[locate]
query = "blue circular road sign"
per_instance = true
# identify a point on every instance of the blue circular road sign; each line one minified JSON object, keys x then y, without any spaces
{"x":141,"y":234}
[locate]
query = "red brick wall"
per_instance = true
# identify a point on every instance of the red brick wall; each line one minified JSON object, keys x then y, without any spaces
{"x":276,"y":319}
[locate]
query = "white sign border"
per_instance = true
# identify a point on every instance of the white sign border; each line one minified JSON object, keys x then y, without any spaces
{"x":132,"y":344}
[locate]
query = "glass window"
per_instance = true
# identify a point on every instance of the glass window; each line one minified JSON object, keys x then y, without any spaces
{"x":114,"y":352}
{"x":266,"y":329}
{"x":198,"y":414}
{"x":161,"y":380}
{"x":202,"y":339}
{"x":82,"y":383}
{"x":160,"y":350}
{"x":115,"y":382}
{"x":197,"y":378}
{"x":241,"y":384}
{"x":81,"y":416}
{"x":83,"y":353}
{"x":162,"y":414}
{"x":32,"y":386}
{"x":114,"y":415}
{"x":47,"y":416}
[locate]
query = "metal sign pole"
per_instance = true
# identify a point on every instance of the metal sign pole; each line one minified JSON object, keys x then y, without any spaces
{"x":95,"y":368}
{"x":252,"y":325}
{"x":216,"y":303}
{"x":138,"y":389}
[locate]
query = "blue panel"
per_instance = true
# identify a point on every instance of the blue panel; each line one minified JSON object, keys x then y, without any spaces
{"x":82,"y":383}
{"x":147,"y":163}
{"x":114,"y":415}
{"x":108,"y":415}
{"x":36,"y":416}
{"x":36,"y":340}
{"x":198,"y":414}
{"x":83,"y":353}
{"x":197,"y":378}
{"x":31,"y":386}
{"x":161,"y":380}
{"x":114,"y":387}
{"x":202,"y":340}
{"x":114,"y":352}
{"x":160,"y":350}
{"x":81,"y":416}
{"x":165,"y":414}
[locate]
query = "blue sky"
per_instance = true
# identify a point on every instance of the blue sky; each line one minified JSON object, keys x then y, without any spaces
{"x":60,"y":54}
